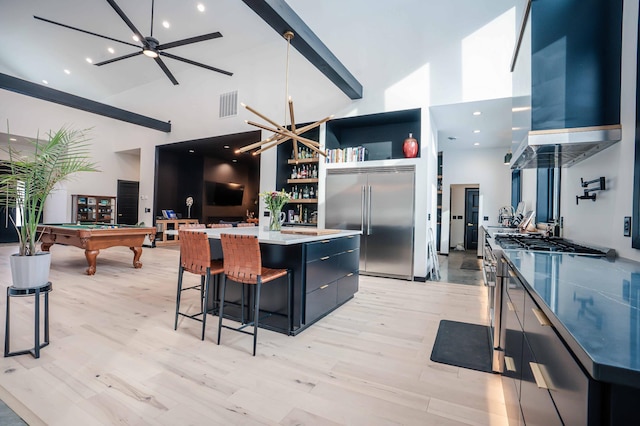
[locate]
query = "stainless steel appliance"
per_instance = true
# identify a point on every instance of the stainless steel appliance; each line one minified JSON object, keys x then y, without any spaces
{"x":380,"y":202}
{"x":497,"y":274}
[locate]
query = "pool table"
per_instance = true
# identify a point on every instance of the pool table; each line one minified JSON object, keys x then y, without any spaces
{"x":93,"y":237}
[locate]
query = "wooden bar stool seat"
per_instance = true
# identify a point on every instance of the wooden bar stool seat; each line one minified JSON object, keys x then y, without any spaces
{"x":243,"y":264}
{"x":195,"y":257}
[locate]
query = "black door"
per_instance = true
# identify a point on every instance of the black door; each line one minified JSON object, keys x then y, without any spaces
{"x":127,"y":203}
{"x":471,"y":206}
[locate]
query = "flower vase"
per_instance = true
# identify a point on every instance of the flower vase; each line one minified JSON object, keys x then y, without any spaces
{"x":275,"y":223}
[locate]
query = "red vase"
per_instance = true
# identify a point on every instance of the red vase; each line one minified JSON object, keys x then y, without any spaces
{"x":410,"y":147}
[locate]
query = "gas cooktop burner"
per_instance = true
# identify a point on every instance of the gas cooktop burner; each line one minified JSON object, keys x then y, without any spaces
{"x":536,"y":242}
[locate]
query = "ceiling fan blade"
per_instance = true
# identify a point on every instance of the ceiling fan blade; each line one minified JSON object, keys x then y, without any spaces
{"x":198,"y":64}
{"x":130,"y":55}
{"x":190,"y":40}
{"x":84,"y":31}
{"x":166,"y":70}
{"x":128,"y":22}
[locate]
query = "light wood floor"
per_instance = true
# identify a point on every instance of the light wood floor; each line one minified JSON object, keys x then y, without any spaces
{"x":114,"y":357}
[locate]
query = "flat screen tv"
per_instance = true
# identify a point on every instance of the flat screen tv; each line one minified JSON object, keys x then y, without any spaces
{"x":223,"y":194}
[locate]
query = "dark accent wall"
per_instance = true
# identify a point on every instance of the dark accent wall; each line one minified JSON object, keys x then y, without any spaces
{"x":576,"y":50}
{"x":221,"y":171}
{"x":178,"y":177}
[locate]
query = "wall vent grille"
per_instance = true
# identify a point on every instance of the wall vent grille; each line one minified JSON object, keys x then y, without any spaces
{"x":229,"y":104}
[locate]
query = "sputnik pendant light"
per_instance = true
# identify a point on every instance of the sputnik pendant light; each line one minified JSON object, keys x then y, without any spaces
{"x":282,"y":133}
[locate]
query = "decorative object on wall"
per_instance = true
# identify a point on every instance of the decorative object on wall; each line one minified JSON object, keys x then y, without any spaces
{"x":151,"y":47}
{"x":587,"y":191}
{"x":275,"y":201}
{"x":189,"y":204}
{"x":410,"y":147}
{"x":282,"y":133}
{"x":507,"y":158}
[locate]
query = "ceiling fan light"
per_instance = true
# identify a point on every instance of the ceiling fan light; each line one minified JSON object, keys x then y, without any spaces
{"x":150,"y":53}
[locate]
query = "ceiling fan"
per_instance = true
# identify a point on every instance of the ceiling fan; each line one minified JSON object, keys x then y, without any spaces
{"x":151,"y":47}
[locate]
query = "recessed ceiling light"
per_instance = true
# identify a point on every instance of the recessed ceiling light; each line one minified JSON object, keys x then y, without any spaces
{"x":477,"y":113}
{"x":45,"y":81}
{"x":476,"y":131}
{"x":111,"y":50}
{"x":519,"y":109}
{"x":191,"y":151}
{"x":476,"y":144}
{"x":89,"y":60}
{"x":13,"y":139}
{"x":200,"y":7}
{"x":234,"y":160}
{"x":226,"y":147}
{"x":135,"y":38}
{"x":67,"y":72}
{"x":166,"y":24}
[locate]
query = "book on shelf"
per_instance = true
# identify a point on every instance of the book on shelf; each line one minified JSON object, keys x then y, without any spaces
{"x":350,"y":154}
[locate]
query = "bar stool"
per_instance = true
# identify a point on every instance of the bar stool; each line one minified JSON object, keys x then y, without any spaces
{"x":22,"y":292}
{"x":243,"y":264}
{"x":195,"y":257}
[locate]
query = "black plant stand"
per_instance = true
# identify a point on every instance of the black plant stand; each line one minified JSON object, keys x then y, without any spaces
{"x":36,"y":292}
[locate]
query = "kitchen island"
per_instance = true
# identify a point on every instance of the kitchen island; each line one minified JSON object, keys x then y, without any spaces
{"x":579,"y":319}
{"x":325,"y":275}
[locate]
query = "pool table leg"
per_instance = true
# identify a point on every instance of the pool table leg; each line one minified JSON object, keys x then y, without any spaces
{"x":91,"y":256}
{"x":137,"y":252}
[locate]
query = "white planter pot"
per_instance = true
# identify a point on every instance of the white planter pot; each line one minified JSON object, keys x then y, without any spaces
{"x":30,"y":271}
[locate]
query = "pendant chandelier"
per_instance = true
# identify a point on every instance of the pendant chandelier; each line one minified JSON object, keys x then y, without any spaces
{"x":282,"y":133}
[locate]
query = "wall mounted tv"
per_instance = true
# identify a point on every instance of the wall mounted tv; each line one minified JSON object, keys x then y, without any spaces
{"x":223,"y":194}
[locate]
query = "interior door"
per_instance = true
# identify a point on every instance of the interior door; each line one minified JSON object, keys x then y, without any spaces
{"x":127,"y":202}
{"x":389,"y":225}
{"x":472,"y":209}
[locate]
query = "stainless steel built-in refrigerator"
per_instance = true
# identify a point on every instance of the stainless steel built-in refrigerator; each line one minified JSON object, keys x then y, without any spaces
{"x":380,"y":202}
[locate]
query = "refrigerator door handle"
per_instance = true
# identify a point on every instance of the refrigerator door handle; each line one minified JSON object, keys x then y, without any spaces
{"x":362,"y":210}
{"x":369,"y":212}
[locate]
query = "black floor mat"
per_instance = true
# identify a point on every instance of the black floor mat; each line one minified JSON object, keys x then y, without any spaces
{"x":471,"y":264}
{"x":463,"y":345}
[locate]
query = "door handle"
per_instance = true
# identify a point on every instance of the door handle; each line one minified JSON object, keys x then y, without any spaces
{"x":509,"y":363}
{"x":469,"y":224}
{"x":538,"y":376}
{"x":369,"y":212}
{"x":541,"y":317}
{"x":362,"y":208}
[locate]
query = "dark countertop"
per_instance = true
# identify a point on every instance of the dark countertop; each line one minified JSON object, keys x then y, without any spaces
{"x":594,"y":304}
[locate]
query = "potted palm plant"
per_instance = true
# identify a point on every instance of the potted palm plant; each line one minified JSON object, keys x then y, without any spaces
{"x":28,"y":180}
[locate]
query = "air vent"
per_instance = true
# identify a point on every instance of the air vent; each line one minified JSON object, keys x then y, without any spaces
{"x":229,"y":104}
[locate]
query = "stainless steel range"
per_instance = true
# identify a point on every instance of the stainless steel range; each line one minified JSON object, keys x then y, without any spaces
{"x":496,"y":272}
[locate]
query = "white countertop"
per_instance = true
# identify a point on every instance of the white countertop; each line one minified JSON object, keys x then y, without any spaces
{"x":270,"y":237}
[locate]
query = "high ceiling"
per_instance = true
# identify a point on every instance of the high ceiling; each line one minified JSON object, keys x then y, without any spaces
{"x":34,"y":50}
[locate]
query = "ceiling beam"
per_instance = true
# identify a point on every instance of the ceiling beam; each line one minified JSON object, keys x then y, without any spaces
{"x":34,"y":90}
{"x":282,"y":18}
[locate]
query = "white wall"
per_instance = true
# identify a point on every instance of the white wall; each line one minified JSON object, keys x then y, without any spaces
{"x":601,"y":222}
{"x":484,"y":167}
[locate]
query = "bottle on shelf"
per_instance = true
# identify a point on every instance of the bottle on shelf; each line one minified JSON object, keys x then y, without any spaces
{"x":294,"y":172}
{"x":305,"y":193}
{"x":314,"y":173}
{"x":312,"y":193}
{"x":295,"y":192}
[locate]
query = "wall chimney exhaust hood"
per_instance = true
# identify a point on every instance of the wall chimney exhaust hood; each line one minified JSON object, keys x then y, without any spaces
{"x":563,"y":147}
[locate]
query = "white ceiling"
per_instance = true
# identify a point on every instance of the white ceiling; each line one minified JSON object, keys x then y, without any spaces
{"x":34,"y":50}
